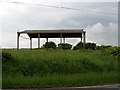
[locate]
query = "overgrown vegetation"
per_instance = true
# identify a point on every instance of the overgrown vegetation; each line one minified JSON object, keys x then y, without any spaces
{"x":78,"y":46}
{"x":65,"y":46}
{"x":88,"y":45}
{"x":91,"y":46}
{"x":114,"y":51}
{"x":55,"y":80}
{"x":7,"y":57}
{"x":49,"y":45}
{"x":54,"y":68}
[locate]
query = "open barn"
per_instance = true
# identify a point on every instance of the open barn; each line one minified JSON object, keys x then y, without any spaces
{"x":62,"y":34}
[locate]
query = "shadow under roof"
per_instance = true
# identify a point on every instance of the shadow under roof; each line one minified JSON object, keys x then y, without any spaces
{"x":68,"y":33}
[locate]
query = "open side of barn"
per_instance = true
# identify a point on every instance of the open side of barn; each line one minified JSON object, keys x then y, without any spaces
{"x":68,"y":33}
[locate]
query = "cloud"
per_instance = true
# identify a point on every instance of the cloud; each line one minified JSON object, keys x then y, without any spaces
{"x":101,"y":28}
{"x":97,"y":28}
{"x":103,"y":35}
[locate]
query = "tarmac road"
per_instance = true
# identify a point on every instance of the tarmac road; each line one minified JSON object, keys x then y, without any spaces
{"x":101,"y":87}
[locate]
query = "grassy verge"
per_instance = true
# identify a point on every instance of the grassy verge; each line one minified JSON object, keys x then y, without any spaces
{"x":60,"y":80}
{"x":58,"y":68}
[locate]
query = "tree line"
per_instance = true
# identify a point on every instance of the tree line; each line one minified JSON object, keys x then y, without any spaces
{"x":78,"y":46}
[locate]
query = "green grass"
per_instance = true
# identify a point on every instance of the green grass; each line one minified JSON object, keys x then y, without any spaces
{"x":54,"y":68}
{"x":60,"y":80}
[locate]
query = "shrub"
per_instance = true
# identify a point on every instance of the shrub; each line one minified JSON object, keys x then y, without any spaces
{"x":49,"y":45}
{"x":78,"y":46}
{"x":103,"y":47}
{"x":115,"y":51}
{"x":90,"y":46}
{"x":9,"y":64}
{"x":65,"y":46}
{"x":6,"y":57}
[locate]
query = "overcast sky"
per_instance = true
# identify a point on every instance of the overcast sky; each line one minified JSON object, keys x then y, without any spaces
{"x":101,"y":28}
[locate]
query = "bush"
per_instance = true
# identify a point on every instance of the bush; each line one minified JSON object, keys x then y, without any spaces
{"x":49,"y":45}
{"x":65,"y":46}
{"x":91,"y":46}
{"x":6,"y":57}
{"x":78,"y":46}
{"x":9,"y":64}
{"x":102,"y":47}
{"x":115,"y":51}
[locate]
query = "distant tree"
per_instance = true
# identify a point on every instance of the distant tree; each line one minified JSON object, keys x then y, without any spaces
{"x":78,"y":46}
{"x":65,"y":46}
{"x":87,"y":46}
{"x":103,"y":47}
{"x":90,"y":46}
{"x":49,"y":45}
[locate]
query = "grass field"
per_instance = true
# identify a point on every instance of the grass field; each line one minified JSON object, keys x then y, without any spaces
{"x":58,"y":68}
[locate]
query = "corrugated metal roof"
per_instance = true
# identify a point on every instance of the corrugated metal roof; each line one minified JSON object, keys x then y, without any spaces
{"x":54,"y":31}
{"x":68,"y":33}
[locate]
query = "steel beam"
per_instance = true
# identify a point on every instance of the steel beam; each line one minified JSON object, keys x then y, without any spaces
{"x":46,"y":39}
{"x":30,"y":43}
{"x":84,"y":40}
{"x":60,"y":38}
{"x":64,"y":40}
{"x":39,"y":40}
{"x":18,"y":34}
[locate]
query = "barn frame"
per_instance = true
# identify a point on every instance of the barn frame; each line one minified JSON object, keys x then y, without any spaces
{"x":68,"y":33}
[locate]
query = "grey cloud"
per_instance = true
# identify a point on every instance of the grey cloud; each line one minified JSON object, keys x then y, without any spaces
{"x":39,"y":17}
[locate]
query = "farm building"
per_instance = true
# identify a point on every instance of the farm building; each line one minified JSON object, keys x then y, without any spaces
{"x":62,"y":34}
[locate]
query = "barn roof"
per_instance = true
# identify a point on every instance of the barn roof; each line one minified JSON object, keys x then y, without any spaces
{"x":69,"y":33}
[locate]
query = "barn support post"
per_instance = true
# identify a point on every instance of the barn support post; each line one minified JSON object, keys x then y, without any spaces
{"x":30,"y":43}
{"x":47,"y":40}
{"x":81,"y":39}
{"x":18,"y":34}
{"x":60,"y":38}
{"x":38,"y":40}
{"x":64,"y":40}
{"x":84,"y":40}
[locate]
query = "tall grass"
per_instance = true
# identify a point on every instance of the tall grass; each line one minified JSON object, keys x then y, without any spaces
{"x":60,"y":80}
{"x":49,"y":68}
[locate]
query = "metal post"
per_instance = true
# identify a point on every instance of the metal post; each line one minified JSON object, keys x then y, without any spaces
{"x":30,"y":43}
{"x":60,"y":38}
{"x":81,"y":39}
{"x":84,"y":39}
{"x":18,"y":34}
{"x":47,"y":39}
{"x":39,"y":40}
{"x":64,"y":40}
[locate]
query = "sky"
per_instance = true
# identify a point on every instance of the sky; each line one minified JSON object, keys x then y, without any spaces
{"x":98,"y":19}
